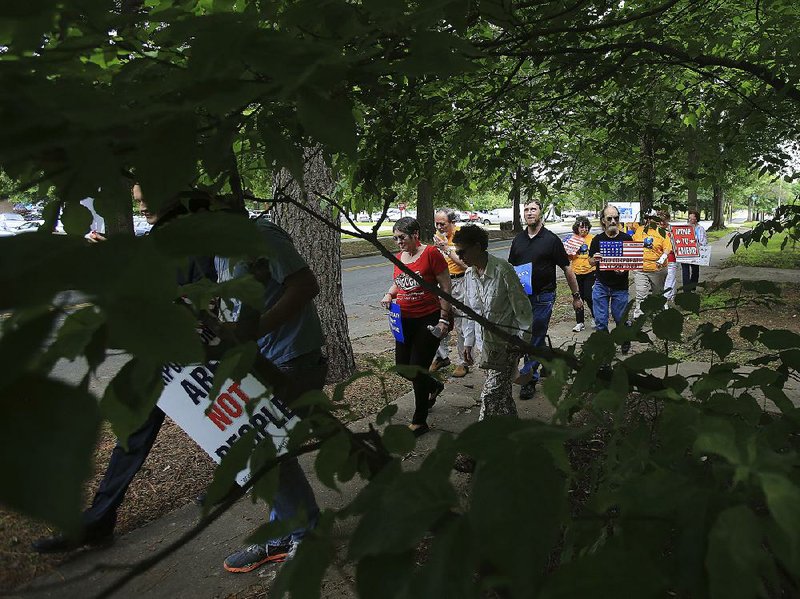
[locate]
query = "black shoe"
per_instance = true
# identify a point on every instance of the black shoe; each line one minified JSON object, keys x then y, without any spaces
{"x":435,"y":394}
{"x":527,"y":391}
{"x":625,"y":347}
{"x":60,"y":543}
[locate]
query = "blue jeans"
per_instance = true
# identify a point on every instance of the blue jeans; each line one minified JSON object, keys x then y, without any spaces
{"x":542,"y":306}
{"x":601,"y":296}
{"x":294,"y":497}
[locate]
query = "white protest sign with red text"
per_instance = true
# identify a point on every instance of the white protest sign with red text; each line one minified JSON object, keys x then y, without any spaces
{"x":216,"y":423}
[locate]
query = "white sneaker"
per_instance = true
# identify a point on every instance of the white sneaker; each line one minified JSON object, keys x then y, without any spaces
{"x":578,"y":327}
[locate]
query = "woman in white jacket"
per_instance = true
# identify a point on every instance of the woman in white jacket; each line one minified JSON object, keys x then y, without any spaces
{"x":493,"y":290}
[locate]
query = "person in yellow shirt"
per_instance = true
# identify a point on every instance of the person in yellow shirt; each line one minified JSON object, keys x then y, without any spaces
{"x":657,"y":247}
{"x":445,"y":221}
{"x":584,"y":272}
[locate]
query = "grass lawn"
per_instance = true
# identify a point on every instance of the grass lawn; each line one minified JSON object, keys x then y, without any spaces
{"x":771,"y":256}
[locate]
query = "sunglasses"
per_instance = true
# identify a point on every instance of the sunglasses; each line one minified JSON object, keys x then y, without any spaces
{"x":460,"y":252}
{"x":612,"y":219}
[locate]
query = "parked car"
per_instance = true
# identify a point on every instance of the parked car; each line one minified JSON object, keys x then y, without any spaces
{"x":492,"y":217}
{"x":11,"y":221}
{"x":141,"y":226}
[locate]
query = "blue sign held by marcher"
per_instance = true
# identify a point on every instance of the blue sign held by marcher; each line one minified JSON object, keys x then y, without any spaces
{"x":524,"y":274}
{"x":395,"y":324}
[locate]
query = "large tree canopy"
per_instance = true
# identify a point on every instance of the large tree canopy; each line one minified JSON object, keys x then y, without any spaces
{"x":210,"y":97}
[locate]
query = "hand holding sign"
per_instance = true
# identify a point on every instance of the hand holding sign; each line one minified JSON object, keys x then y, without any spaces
{"x":524,"y":274}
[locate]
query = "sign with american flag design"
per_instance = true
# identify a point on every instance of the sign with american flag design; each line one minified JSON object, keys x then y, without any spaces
{"x":573,"y":244}
{"x":621,"y":255}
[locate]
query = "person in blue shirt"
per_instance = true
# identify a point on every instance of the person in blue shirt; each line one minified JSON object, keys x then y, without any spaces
{"x":288,"y":333}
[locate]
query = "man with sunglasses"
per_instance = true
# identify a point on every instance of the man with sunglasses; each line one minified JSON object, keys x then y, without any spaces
{"x":610,"y":286}
{"x":543,"y":250}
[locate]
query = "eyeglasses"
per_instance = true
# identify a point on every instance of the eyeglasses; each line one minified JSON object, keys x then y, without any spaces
{"x":612,"y":219}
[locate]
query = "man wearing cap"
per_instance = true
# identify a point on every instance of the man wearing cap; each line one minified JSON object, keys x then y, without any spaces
{"x":445,"y":221}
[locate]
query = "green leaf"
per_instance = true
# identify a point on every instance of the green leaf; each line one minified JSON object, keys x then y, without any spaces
{"x":386,"y":414}
{"x":234,"y":461}
{"x":398,"y":439}
{"x":448,"y":571}
{"x":648,"y":359}
{"x":653,"y":304}
{"x":329,"y":120}
{"x":76,"y":218}
{"x":23,"y":336}
{"x":780,"y":339}
{"x":210,"y":233}
{"x":266,"y":485}
{"x":735,"y":555}
{"x":332,"y":454}
{"x":75,"y":334}
{"x":791,"y":357}
{"x":689,"y":302}
{"x":304,"y":573}
{"x":613,"y":571}
{"x":522,"y":477}
{"x":398,"y":514}
{"x":131,"y":396}
{"x":717,"y":435}
{"x":234,"y":366}
{"x":668,"y":325}
{"x":385,"y":576}
{"x":48,"y":442}
{"x":751,"y":332}
{"x":135,"y":327}
{"x":783,"y":500}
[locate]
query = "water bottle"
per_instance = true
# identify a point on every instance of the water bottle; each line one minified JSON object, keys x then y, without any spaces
{"x":435,"y":332}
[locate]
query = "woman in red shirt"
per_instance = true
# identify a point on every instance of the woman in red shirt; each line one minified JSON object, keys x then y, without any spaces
{"x":419,"y":309}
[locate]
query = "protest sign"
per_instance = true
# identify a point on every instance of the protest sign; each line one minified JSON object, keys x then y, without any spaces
{"x":573,"y":245}
{"x":524,"y":274}
{"x":216,"y":423}
{"x":684,"y":242}
{"x":621,"y":255}
{"x":704,"y":259}
{"x":395,"y":324}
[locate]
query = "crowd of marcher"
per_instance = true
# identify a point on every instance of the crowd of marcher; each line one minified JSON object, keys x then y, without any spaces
{"x":516,"y":295}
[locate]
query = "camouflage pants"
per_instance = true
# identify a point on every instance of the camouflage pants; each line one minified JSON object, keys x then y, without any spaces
{"x":496,"y":398}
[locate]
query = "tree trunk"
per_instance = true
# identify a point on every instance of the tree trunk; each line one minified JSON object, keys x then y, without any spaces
{"x":321,"y":248}
{"x":647,"y":171}
{"x":719,"y":206}
{"x":516,"y":184}
{"x":691,"y":176}
{"x":425,"y":210}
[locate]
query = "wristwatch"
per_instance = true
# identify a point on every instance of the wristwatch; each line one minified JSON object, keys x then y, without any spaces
{"x":576,"y":295}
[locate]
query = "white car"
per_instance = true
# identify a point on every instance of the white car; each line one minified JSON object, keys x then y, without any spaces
{"x":10,"y":222}
{"x":141,"y":226}
{"x":491,"y":217}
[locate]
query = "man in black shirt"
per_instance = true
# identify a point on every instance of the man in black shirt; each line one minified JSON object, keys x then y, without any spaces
{"x":543,"y":250}
{"x":610,"y":286}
